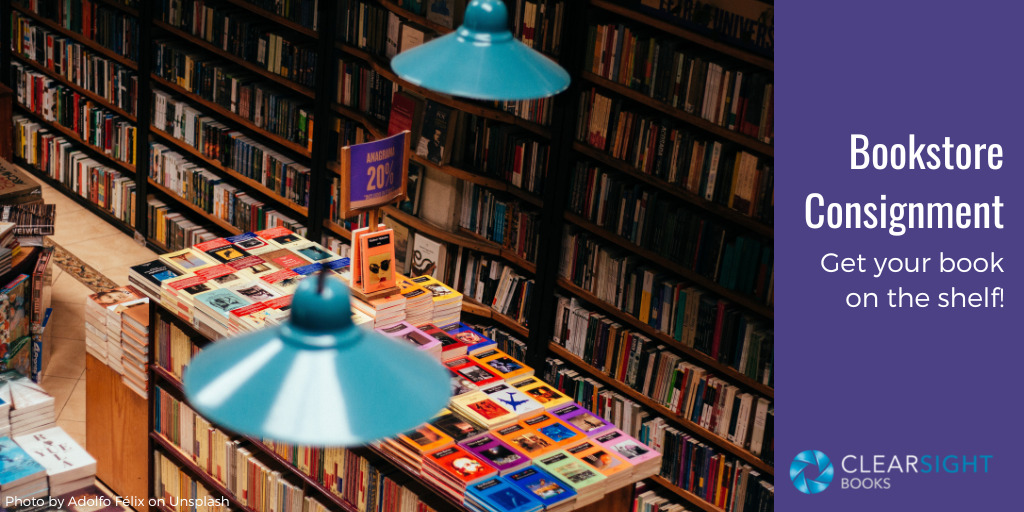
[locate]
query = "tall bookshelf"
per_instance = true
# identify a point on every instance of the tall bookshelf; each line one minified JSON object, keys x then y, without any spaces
{"x":552,"y":206}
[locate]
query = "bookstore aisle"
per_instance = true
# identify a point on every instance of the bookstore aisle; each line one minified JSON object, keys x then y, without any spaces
{"x":104,"y":249}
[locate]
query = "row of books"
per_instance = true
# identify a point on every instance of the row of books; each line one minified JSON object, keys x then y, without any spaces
{"x":511,"y":223}
{"x":698,"y":320}
{"x":57,"y":157}
{"x":181,"y":491}
{"x":46,"y":462}
{"x":75,"y":62}
{"x":682,"y":77}
{"x":281,"y":174}
{"x":653,"y":145}
{"x":617,"y":276}
{"x":239,"y":33}
{"x":686,"y":389}
{"x":505,"y":341}
{"x":236,"y":464}
{"x":203,"y":188}
{"x":688,"y":462}
{"x":361,"y":88}
{"x":383,"y":33}
{"x":172,"y":230}
{"x":303,"y":12}
{"x":110,"y":133}
{"x":496,"y":284}
{"x":112,"y":28}
{"x":264,"y":105}
{"x":117,"y":334}
{"x":505,"y":152}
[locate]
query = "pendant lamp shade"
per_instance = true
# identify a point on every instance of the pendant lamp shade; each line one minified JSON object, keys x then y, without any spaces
{"x":482,"y":60}
{"x":317,"y":379}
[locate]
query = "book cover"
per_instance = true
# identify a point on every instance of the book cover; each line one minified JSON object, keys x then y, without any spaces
{"x":186,"y":260}
{"x":557,"y":432}
{"x":627,"y":447}
{"x":156,"y":271}
{"x":426,"y":438}
{"x":463,"y":466}
{"x":378,"y":256}
{"x":540,"y":484}
{"x":495,"y":452}
{"x":406,"y":113}
{"x":502,"y":364}
{"x":601,"y":459}
{"x":426,"y":256}
{"x":473,"y":340}
{"x":473,"y":372}
{"x":64,"y":459}
{"x":542,"y":392}
{"x":569,"y":470}
{"x":583,"y":420}
{"x":248,"y":241}
{"x":513,"y":399}
{"x":456,"y":427}
{"x":437,"y":133}
{"x":413,"y":189}
{"x":16,"y":465}
{"x":499,"y":495}
{"x":222,"y":301}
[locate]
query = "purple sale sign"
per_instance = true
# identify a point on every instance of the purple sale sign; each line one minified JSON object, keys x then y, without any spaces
{"x":899,"y":239}
{"x":374,"y":173}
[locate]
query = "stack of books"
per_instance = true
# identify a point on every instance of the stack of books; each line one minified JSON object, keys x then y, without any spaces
{"x":385,"y":311}
{"x":616,"y":471}
{"x":555,"y":495}
{"x":21,"y":477}
{"x":5,"y":417}
{"x":212,"y":312}
{"x":453,"y":469}
{"x":8,"y":246}
{"x":135,"y":347}
{"x":419,"y":339}
{"x":149,"y":276}
{"x":542,"y":392}
{"x":513,"y":399}
{"x":68,"y":466}
{"x":103,"y":323}
{"x":31,"y":406}
{"x":481,"y":409}
{"x":646,"y":461}
{"x":412,"y":446}
{"x":503,"y":365}
{"x":496,"y":453}
{"x":419,"y":302}
{"x":588,"y":483}
{"x":447,"y":302}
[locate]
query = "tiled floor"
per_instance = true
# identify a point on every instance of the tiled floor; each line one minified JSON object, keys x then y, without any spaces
{"x":106,"y":249}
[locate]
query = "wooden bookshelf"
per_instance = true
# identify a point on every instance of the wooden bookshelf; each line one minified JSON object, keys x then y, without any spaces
{"x":338,"y":229}
{"x":682,"y":33}
{"x":100,"y":100}
{"x":690,"y":497}
{"x":416,"y":18}
{"x":255,"y":68}
{"x":696,"y":121}
{"x":223,"y":224}
{"x":421,"y":225}
{"x":92,"y":45}
{"x":740,"y":299}
{"x":214,"y":164}
{"x":474,"y":307}
{"x":238,"y":120}
{"x":696,"y":356}
{"x":507,"y":254}
{"x":275,"y":18}
{"x":663,"y":411}
{"x":118,"y":5}
{"x":493,"y":114}
{"x":723,"y":212}
{"x":71,"y":134}
{"x":184,"y":462}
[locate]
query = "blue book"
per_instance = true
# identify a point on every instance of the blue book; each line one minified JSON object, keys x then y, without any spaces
{"x":498,"y":495}
{"x":538,"y":483}
{"x":16,"y":466}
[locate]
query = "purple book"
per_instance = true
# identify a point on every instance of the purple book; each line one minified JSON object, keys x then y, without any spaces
{"x":583,"y":420}
{"x":495,"y":452}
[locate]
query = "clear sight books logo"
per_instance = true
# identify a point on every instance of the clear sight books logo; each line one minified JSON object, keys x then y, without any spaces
{"x":811,"y":472}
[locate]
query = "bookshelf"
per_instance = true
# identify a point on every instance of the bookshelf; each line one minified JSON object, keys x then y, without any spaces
{"x":550,"y":204}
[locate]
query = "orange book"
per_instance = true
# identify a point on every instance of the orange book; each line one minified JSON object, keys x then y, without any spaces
{"x":426,"y":438}
{"x":602,"y":459}
{"x":557,"y":431}
{"x":377,"y":260}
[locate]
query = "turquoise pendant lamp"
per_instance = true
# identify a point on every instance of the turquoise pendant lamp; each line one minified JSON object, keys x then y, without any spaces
{"x":317,"y":379}
{"x":482,"y":60}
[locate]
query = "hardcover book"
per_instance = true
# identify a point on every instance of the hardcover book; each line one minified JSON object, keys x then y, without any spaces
{"x":437,"y":133}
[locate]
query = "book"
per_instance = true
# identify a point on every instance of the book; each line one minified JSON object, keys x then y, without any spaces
{"x":542,"y":392}
{"x":17,"y":467}
{"x":550,"y":491}
{"x":503,"y":365}
{"x":186,"y":260}
{"x":64,"y":459}
{"x":455,"y":426}
{"x":495,"y":452}
{"x":513,"y":399}
{"x":573,"y":472}
{"x":583,"y":420}
{"x":437,"y":132}
{"x":377,"y":253}
{"x":406,"y":114}
{"x":498,"y":495}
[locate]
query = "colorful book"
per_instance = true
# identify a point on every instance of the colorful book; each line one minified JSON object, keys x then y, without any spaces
{"x":583,"y":420}
{"x":496,"y":452}
{"x":540,"y":484}
{"x":498,"y":495}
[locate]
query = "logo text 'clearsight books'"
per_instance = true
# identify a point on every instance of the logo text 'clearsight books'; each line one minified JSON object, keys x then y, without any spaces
{"x":812,"y":472}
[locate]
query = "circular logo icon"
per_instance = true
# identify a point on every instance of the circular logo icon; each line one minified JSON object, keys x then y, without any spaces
{"x":811,"y":471}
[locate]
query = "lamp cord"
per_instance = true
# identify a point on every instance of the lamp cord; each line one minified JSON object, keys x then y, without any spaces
{"x":321,"y":279}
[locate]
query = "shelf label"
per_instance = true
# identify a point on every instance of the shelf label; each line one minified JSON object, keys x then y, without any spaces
{"x":374,"y":174}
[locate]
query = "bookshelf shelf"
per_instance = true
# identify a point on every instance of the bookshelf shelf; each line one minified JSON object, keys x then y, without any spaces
{"x":690,"y":497}
{"x":300,"y":89}
{"x":474,"y":307}
{"x":690,"y":426}
{"x":118,"y":5}
{"x":276,"y":18}
{"x":183,"y":461}
{"x":92,"y":207}
{"x":338,"y":229}
{"x":101,"y":101}
{"x":93,"y":45}
{"x":696,"y":121}
{"x":437,"y":232}
{"x":234,"y":118}
{"x":683,"y":33}
{"x":472,"y":108}
{"x":78,"y":140}
{"x":223,"y":224}
{"x":697,"y":356}
{"x":503,"y":252}
{"x":421,"y":20}
{"x":723,"y":212}
{"x":214,"y":164}
{"x":746,"y":302}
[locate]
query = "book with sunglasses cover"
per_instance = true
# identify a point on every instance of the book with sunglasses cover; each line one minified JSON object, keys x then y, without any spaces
{"x":377,"y":259}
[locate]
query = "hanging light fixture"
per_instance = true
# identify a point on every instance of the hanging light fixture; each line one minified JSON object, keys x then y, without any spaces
{"x":317,"y":379}
{"x":482,"y":60}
